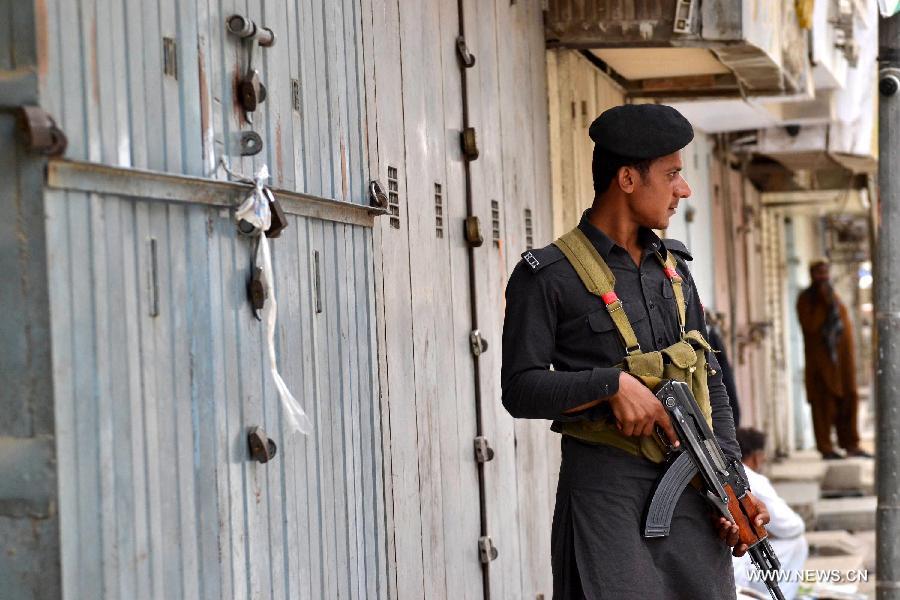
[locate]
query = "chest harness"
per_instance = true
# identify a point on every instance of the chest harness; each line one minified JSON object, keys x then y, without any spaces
{"x":684,"y":360}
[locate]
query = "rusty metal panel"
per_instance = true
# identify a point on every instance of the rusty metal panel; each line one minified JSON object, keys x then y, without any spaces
{"x":154,"y":85}
{"x":596,"y":23}
{"x":160,"y":372}
{"x":759,"y":40}
{"x":617,"y":23}
{"x":29,"y":524}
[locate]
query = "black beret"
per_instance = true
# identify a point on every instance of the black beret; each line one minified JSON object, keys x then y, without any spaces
{"x":641,"y":131}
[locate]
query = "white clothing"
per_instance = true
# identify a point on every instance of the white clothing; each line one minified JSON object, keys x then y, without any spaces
{"x":786,"y":530}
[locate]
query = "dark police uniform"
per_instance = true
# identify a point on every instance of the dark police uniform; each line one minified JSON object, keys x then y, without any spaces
{"x":560,"y":348}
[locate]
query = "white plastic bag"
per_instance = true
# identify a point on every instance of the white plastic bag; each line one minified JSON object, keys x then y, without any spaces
{"x":255,"y":210}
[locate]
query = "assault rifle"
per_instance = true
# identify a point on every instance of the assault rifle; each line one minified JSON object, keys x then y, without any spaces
{"x":724,"y":482}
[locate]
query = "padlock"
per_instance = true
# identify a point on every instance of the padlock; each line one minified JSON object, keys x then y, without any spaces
{"x":256,"y":291}
{"x":262,"y":449}
{"x":279,"y":220}
{"x":252,"y":92}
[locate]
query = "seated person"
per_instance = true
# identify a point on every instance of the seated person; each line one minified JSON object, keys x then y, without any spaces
{"x":786,"y":528}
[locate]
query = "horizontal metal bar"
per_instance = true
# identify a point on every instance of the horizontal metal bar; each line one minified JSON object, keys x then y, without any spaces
{"x":167,"y":187}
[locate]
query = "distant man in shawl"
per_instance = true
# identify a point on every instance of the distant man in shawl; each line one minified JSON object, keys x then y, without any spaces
{"x":830,"y":370}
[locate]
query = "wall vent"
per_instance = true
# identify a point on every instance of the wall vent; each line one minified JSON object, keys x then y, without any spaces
{"x":393,"y":197}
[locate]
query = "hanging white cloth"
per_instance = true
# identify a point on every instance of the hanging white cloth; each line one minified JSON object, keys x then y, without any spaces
{"x":255,"y":210}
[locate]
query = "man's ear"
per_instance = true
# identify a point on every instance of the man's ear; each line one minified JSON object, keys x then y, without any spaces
{"x":625,"y":179}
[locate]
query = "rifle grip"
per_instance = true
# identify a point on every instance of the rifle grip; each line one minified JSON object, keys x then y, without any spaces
{"x":744,"y":513}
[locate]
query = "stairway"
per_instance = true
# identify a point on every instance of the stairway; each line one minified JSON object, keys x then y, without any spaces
{"x":836,"y":500}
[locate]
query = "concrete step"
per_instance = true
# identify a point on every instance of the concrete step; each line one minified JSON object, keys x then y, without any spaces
{"x":827,"y":587}
{"x":847,"y":566}
{"x":829,"y":551}
{"x":834,"y":543}
{"x":797,"y":469}
{"x":806,"y":455}
{"x":798,"y":492}
{"x":850,"y":474}
{"x":844,"y":563}
{"x":802,"y":496}
{"x":852,"y":514}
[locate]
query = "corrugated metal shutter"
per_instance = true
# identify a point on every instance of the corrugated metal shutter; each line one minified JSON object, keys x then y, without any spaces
{"x":429,"y":377}
{"x":159,"y":366}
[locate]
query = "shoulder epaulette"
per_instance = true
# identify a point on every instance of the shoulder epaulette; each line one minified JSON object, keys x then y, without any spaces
{"x":538,"y":258}
{"x":678,"y":248}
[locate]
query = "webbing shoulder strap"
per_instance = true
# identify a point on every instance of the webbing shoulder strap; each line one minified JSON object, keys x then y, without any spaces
{"x":668,"y":265}
{"x":599,"y":280}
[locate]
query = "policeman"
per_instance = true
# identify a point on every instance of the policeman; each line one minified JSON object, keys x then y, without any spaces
{"x":592,"y":320}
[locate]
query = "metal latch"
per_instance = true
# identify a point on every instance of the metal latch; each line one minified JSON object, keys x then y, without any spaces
{"x":251,"y":92}
{"x":377,"y":198}
{"x":486,"y":549}
{"x":477,"y":343}
{"x":467,"y":58}
{"x":469,"y":143}
{"x":262,"y":449}
{"x":40,"y":131}
{"x":473,"y":231}
{"x":483,"y":451}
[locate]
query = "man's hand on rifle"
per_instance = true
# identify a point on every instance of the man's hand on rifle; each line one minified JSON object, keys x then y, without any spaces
{"x":728,"y":531}
{"x":638,"y":411}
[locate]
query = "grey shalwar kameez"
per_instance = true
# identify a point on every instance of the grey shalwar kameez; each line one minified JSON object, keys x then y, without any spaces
{"x":598,"y":551}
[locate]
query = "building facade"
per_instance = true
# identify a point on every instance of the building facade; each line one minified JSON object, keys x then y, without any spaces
{"x":417,"y":149}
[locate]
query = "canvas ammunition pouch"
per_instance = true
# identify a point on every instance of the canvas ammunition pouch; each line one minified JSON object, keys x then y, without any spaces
{"x":683,"y":361}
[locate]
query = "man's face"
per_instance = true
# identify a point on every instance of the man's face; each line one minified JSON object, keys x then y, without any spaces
{"x":654,"y":198}
{"x":821,"y":274}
